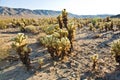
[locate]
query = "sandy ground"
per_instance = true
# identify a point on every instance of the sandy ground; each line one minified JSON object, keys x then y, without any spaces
{"x":78,"y":66}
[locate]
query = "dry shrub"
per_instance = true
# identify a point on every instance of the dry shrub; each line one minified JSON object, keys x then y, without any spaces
{"x":31,"y":29}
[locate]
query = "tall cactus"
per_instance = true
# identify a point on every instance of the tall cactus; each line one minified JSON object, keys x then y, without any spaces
{"x":70,"y":28}
{"x":60,"y":21}
{"x":59,"y":42}
{"x":71,"y":34}
{"x":64,"y":18}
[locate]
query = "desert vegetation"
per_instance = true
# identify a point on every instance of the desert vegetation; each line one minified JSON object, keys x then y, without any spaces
{"x":60,"y":48}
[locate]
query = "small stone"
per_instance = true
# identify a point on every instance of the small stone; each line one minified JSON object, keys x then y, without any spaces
{"x":51,"y":69}
{"x":73,"y":64}
{"x":73,"y":75}
{"x":63,"y":66}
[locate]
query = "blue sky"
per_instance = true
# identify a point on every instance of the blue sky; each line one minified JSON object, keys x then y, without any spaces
{"x":81,"y":7}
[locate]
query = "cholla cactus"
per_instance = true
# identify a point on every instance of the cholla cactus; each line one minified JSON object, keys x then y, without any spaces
{"x":22,"y":27}
{"x":115,"y":50}
{"x":118,"y":25}
{"x":57,"y":44}
{"x":51,"y":29}
{"x":80,"y":25}
{"x":40,"y":61}
{"x":94,"y":59}
{"x":108,"y":26}
{"x":108,"y":19}
{"x":63,"y":32}
{"x":60,"y":40}
{"x":70,"y":29}
{"x":101,"y":26}
{"x":60,"y":21}
{"x":22,"y":49}
{"x":91,"y":27}
{"x":71,"y":34}
{"x":64,"y":18}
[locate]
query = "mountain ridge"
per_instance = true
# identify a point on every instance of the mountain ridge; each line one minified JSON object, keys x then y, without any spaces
{"x":116,"y":16}
{"x":6,"y":11}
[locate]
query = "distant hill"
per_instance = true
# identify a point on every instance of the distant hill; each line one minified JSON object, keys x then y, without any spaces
{"x":116,"y":16}
{"x":6,"y":11}
{"x":94,"y":16}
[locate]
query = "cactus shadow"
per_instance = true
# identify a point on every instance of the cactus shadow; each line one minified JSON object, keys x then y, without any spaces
{"x":15,"y":71}
{"x":86,"y":75}
{"x":113,"y":37}
{"x":115,"y":75}
{"x":88,"y":36}
{"x":8,"y":32}
{"x":40,"y":52}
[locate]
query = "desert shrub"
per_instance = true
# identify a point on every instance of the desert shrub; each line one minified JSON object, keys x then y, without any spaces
{"x":3,"y":25}
{"x":31,"y":29}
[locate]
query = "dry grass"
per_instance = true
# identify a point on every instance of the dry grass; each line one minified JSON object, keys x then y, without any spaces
{"x":4,"y":50}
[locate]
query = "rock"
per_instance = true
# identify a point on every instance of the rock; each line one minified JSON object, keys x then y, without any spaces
{"x":74,"y":75}
{"x":63,"y":79}
{"x":66,"y":71}
{"x":74,"y":64}
{"x":52,"y":69}
{"x":106,"y":70}
{"x":63,"y":66}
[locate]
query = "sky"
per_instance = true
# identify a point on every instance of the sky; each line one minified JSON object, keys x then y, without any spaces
{"x":80,"y":7}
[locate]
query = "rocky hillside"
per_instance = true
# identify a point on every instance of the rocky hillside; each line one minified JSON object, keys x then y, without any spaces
{"x":116,"y":16}
{"x":6,"y":11}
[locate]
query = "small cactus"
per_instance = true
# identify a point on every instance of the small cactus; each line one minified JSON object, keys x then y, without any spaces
{"x":40,"y":61}
{"x":94,"y":59}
